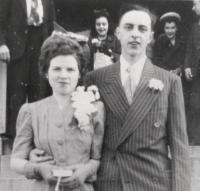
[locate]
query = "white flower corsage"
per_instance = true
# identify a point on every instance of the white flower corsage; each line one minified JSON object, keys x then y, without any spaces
{"x":96,"y":42}
{"x":156,"y":85}
{"x":82,"y":102}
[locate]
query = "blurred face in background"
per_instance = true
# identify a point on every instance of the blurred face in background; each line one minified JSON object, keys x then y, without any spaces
{"x":196,"y":7}
{"x":170,"y":29}
{"x":101,"y":26}
{"x":63,"y":74}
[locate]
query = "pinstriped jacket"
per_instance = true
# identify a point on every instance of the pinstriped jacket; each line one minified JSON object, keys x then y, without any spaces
{"x":139,"y":137}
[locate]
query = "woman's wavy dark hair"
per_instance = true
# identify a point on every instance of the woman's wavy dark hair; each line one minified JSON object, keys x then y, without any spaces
{"x":97,"y":14}
{"x":56,"y":45}
{"x":170,"y":20}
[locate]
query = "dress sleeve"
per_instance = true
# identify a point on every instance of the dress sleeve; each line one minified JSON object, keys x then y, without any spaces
{"x":23,"y":142}
{"x":97,"y":141}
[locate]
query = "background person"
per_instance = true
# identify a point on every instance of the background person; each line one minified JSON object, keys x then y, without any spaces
{"x":24,"y":25}
{"x":169,"y":48}
{"x":104,"y":45}
{"x":56,"y":126}
{"x":192,"y":73}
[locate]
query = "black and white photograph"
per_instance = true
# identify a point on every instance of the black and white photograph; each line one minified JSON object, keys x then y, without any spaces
{"x":100,"y":95}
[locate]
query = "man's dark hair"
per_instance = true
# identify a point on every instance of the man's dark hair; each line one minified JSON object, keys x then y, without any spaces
{"x":126,"y":7}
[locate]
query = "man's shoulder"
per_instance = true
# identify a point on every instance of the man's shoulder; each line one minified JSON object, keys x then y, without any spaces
{"x":165,"y":75}
{"x":101,"y":71}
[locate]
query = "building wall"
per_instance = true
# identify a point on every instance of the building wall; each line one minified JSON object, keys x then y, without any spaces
{"x":76,"y":15}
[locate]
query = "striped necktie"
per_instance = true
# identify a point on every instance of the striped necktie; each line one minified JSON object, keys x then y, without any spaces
{"x":34,"y":15}
{"x":129,"y":86}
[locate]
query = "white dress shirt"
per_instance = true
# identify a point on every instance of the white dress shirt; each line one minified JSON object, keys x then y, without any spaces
{"x":40,"y":10}
{"x":136,"y":69}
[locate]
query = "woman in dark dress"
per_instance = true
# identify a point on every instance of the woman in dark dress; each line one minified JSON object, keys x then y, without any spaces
{"x":104,"y":45}
{"x":169,"y":48}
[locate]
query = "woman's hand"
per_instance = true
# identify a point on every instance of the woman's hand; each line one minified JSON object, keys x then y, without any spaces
{"x":45,"y":171}
{"x":38,"y":156}
{"x":78,"y":178}
{"x":81,"y":173}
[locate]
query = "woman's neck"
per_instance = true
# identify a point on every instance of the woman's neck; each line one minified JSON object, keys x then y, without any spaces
{"x":62,"y":100}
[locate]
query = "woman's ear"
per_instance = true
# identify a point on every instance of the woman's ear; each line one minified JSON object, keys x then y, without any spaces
{"x":151,"y":38}
{"x":46,"y":76}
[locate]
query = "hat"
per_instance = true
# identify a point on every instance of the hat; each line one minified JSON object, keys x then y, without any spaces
{"x":170,"y":15}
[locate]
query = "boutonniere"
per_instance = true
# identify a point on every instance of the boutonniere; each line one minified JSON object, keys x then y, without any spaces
{"x":156,"y":85}
{"x":83,"y":104}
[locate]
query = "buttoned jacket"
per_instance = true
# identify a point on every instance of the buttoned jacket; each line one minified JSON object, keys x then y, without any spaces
{"x":145,"y":145}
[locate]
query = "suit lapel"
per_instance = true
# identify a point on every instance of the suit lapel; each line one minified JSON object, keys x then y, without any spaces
{"x":142,"y":102}
{"x":113,"y":93}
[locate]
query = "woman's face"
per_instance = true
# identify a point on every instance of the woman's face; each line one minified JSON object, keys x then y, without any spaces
{"x":101,"y":26}
{"x":170,"y":29}
{"x":63,"y":74}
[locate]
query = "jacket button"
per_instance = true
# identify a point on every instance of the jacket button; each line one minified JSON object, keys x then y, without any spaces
{"x":60,"y":142}
{"x":62,"y":159}
{"x":59,"y":125}
{"x":155,"y":180}
{"x":114,"y":157}
{"x":157,"y":124}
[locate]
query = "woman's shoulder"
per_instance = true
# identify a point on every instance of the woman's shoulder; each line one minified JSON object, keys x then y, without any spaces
{"x":28,"y":107}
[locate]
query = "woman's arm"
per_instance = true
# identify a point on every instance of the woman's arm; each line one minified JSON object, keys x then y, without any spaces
{"x":23,"y":144}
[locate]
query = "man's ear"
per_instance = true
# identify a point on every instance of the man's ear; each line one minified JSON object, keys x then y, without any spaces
{"x":117,"y":32}
{"x":151,"y":36}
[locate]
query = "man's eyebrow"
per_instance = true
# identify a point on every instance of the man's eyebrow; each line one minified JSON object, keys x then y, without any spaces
{"x":143,"y":26}
{"x":128,"y":24}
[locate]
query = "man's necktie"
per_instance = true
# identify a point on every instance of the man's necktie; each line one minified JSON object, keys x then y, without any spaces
{"x":129,"y":86}
{"x":34,"y":15}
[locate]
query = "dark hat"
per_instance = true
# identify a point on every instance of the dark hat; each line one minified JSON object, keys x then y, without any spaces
{"x":170,"y":16}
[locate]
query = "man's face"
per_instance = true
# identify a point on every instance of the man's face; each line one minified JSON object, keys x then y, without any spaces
{"x":134,"y":33}
{"x":196,"y":7}
{"x":170,"y":29}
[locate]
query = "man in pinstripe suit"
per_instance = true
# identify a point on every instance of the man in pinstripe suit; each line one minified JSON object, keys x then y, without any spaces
{"x":145,"y":145}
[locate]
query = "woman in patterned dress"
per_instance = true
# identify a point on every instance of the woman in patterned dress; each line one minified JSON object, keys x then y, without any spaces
{"x":52,"y":125}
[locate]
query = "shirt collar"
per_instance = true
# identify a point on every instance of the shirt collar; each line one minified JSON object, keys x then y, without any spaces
{"x":136,"y":66}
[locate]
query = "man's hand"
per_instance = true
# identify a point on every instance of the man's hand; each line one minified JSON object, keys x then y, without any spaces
{"x":38,"y":156}
{"x":4,"y":53}
{"x":177,"y":71}
{"x":188,"y":74}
